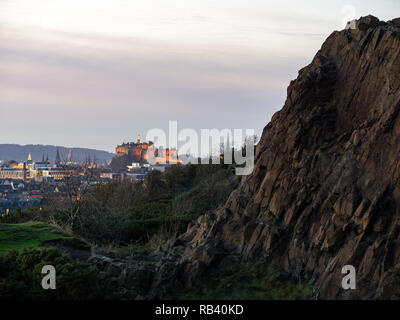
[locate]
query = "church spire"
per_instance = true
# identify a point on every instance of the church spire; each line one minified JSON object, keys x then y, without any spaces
{"x":58,"y":158}
{"x":29,"y":157}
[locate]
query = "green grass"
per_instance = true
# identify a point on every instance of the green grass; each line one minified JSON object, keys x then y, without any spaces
{"x":25,"y":235}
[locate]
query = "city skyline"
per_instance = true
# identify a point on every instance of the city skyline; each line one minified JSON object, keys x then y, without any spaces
{"x":97,"y":73}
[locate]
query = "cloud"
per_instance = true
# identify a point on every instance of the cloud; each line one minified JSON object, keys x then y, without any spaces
{"x":102,"y":74}
{"x":121,"y":80}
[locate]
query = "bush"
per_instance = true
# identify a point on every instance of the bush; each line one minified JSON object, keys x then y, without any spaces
{"x":20,"y":277}
{"x":119,"y":213}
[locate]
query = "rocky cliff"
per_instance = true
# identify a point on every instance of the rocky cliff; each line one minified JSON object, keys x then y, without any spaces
{"x":325,"y":190}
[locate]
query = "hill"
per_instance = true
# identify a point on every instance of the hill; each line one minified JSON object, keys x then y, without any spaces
{"x":24,"y":250}
{"x":20,"y":153}
{"x":40,"y":235}
{"x":31,"y":234}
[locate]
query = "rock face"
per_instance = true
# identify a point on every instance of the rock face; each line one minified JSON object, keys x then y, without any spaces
{"x":134,"y":274}
{"x":325,"y":190}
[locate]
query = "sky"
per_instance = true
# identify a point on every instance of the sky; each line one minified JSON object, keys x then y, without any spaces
{"x":96,"y":73}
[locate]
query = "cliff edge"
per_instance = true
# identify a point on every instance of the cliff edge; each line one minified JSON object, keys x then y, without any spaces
{"x":325,"y":190}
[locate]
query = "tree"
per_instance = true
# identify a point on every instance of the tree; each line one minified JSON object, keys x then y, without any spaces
{"x":154,"y":183}
{"x":173,"y":177}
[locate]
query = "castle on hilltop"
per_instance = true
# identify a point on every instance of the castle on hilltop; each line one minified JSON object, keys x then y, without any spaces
{"x":137,"y":151}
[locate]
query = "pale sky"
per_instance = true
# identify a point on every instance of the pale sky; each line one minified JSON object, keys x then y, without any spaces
{"x":96,"y":73}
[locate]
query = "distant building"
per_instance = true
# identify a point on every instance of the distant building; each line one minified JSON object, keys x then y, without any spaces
{"x":12,"y":173}
{"x":42,"y":165}
{"x":136,"y":150}
{"x":57,"y":173}
{"x":135,"y":165}
{"x":166,"y":156}
{"x":29,"y":170}
{"x":135,"y":176}
{"x":106,"y":175}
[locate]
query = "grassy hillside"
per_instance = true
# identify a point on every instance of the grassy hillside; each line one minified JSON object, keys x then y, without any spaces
{"x":23,"y":253}
{"x":25,"y":235}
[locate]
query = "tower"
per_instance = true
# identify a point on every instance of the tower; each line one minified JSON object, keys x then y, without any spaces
{"x":228,"y":151}
{"x":25,"y":171}
{"x":58,"y":158}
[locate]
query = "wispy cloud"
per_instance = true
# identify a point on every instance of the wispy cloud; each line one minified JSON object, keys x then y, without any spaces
{"x":95,"y":73}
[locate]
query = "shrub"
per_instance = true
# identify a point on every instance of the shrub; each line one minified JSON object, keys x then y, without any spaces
{"x":20,"y":277}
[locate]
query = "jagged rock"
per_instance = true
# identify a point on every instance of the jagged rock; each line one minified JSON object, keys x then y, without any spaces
{"x":140,"y":279}
{"x":114,"y":269}
{"x":395,"y":22}
{"x":100,"y":261}
{"x":74,"y":248}
{"x":364,"y":23}
{"x":324,"y":191}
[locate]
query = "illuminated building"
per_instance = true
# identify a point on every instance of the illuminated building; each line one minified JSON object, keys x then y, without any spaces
{"x":136,"y":150}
